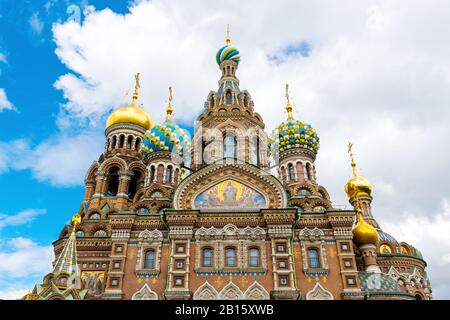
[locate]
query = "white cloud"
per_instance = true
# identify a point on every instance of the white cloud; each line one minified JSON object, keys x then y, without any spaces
{"x":377,"y":74}
{"x":23,"y":217}
{"x":61,"y":160}
{"x":5,"y":104}
{"x":431,"y":235}
{"x":23,"y":263}
{"x":36,"y":23}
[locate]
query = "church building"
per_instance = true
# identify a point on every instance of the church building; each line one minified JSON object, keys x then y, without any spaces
{"x":232,"y":212}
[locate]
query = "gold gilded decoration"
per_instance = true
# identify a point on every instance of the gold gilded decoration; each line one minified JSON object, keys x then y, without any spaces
{"x":288,"y":103}
{"x":229,"y":194}
{"x":131,"y":113}
{"x":357,"y":185}
{"x":228,"y":39}
{"x":364,"y":233}
{"x":169,"y":109}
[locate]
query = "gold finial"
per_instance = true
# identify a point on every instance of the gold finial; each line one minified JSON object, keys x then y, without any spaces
{"x":228,"y":39}
{"x":76,"y":219}
{"x":169,"y":108}
{"x":137,"y":86}
{"x":288,"y":103}
{"x":352,"y":158}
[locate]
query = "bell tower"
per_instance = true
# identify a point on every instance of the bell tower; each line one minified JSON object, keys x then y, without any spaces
{"x":229,"y":129}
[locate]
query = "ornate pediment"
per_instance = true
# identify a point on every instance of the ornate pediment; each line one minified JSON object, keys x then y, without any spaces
{"x":230,"y":186}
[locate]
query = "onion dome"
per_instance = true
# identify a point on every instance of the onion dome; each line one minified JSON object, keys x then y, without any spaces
{"x":227,"y":52}
{"x":364,"y":233}
{"x":383,"y":236}
{"x":166,"y":137}
{"x":357,"y":185}
{"x":293,"y":134}
{"x":131,"y":113}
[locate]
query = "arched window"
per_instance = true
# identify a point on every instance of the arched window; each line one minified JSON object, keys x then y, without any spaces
{"x":121,"y":141}
{"x":113,"y":182}
{"x":100,"y":233}
{"x":291,"y":172}
{"x":229,"y":146}
{"x":254,"y":153}
{"x":207,"y":257}
{"x":313,"y":258}
{"x":149,"y":262}
{"x":245,"y":101}
{"x":169,"y":174}
{"x":152,"y":174}
{"x":308,"y":171}
{"x":303,"y":193}
{"x":137,"y":144}
{"x":418,"y":296}
{"x":79,"y":234}
{"x":133,"y":184}
{"x":254,"y":257}
{"x":211,"y":102}
{"x":228,"y":97}
{"x":230,"y":257}
{"x":129,"y":142}
{"x":114,"y":141}
{"x":95,"y":216}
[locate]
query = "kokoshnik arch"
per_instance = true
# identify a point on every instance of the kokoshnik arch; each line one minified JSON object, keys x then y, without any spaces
{"x":247,"y":220}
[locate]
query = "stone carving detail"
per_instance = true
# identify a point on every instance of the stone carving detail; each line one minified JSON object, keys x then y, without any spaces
{"x":319,"y":293}
{"x":256,"y":292}
{"x":145,"y":293}
{"x":206,"y":292}
{"x":313,"y":238}
{"x":150,"y":236}
{"x":231,"y":292}
{"x":230,"y":231}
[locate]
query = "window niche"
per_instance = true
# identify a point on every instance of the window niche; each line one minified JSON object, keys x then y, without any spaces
{"x":314,"y":255}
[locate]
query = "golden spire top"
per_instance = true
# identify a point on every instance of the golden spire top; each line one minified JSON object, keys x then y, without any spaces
{"x":288,"y":103}
{"x":352,"y":159}
{"x":169,"y":108}
{"x":228,"y":39}
{"x":76,"y":219}
{"x":137,"y":86}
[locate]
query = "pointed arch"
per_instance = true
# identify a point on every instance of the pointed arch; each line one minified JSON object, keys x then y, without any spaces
{"x":145,"y":293}
{"x":206,"y":292}
{"x":231,"y":292}
{"x":256,"y":292}
{"x":319,"y":293}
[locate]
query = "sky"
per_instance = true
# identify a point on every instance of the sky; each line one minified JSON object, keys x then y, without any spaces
{"x":373,"y":72}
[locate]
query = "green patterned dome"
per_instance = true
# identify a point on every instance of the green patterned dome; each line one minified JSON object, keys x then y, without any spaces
{"x":294,"y":134}
{"x":166,"y":137}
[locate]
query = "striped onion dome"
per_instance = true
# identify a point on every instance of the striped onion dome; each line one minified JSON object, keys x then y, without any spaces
{"x":227,"y":52}
{"x":165,"y":137}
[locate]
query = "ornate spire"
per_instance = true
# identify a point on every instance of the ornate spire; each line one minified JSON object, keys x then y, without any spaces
{"x":288,"y":103}
{"x":352,"y":159}
{"x":169,"y":108}
{"x":228,"y":39}
{"x":67,"y":260}
{"x":137,"y":86}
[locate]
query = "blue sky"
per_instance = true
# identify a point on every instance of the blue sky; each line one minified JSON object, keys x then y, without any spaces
{"x":366,"y":72}
{"x":28,"y":76}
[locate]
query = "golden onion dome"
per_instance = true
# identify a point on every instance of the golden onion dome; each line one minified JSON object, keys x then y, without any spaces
{"x":357,"y":185}
{"x":131,"y":113}
{"x":364,"y":233}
